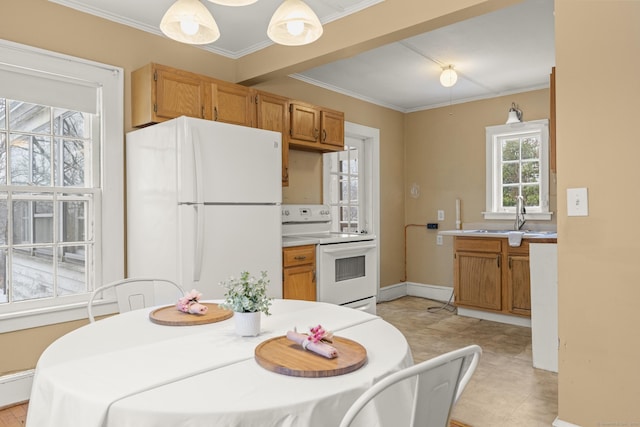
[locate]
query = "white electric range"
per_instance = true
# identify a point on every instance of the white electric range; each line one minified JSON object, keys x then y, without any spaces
{"x":346,"y":263}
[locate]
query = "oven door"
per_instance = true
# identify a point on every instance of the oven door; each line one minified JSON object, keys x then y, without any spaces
{"x":347,"y":272}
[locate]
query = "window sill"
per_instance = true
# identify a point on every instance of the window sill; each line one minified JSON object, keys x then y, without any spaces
{"x":535,"y":216}
{"x":35,"y":318}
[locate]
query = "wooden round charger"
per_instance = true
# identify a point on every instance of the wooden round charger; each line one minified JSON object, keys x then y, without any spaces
{"x":283,"y":356}
{"x":171,"y":316}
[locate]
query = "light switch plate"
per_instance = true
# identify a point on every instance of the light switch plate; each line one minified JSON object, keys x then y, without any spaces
{"x":577,"y":202}
{"x":440,"y":215}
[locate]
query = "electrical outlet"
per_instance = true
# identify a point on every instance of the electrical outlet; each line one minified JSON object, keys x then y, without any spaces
{"x":438,"y":240}
{"x":440,"y":215}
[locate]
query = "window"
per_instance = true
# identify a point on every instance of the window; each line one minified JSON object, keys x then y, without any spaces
{"x":518,"y":165}
{"x":60,"y":169}
{"x":351,"y":181}
{"x":344,"y":168}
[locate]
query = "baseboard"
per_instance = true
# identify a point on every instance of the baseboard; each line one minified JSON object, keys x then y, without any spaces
{"x":15,"y":388}
{"x":433,"y":292}
{"x":495,"y":317}
{"x":559,"y":423}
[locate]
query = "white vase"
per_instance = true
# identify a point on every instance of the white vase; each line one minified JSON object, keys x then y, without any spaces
{"x":247,"y":324}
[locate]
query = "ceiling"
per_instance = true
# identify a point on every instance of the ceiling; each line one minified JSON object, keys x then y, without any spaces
{"x":507,"y":51}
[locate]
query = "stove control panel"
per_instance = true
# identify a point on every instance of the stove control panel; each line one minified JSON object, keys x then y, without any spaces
{"x":305,"y":213}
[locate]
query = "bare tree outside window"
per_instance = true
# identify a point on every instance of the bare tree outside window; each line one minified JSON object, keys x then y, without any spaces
{"x":44,"y":199}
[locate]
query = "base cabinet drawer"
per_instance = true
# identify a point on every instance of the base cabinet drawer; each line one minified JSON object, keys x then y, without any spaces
{"x":299,"y":273}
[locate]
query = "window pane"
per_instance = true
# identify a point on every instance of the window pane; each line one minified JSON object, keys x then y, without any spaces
{"x":30,"y":160}
{"x":3,"y":113}
{"x":530,"y":148}
{"x":4,"y":290}
{"x":353,"y":195}
{"x":3,"y":158}
{"x":73,"y":165}
{"x":32,"y":273}
{"x":510,"y":173}
{"x":71,"y":123}
{"x":27,"y":117}
{"x":344,"y":189}
{"x":32,"y":221}
{"x":511,"y":149}
{"x":73,"y":221}
{"x":531,"y":194}
{"x":531,"y":172}
{"x":4,"y":222}
{"x":72,"y":270}
{"x":509,"y":195}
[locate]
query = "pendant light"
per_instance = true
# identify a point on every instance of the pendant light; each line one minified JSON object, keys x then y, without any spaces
{"x":515,"y":114}
{"x":294,"y":24}
{"x":234,"y":2}
{"x":448,"y":77}
{"x":189,"y":21}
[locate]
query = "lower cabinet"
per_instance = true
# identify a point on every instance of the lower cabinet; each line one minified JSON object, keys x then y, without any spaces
{"x":518,"y":280}
{"x":299,"y":272}
{"x":491,"y":275}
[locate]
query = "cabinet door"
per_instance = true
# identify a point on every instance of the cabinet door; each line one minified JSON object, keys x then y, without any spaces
{"x":273,"y":114}
{"x":519,"y":285}
{"x":178,"y":94}
{"x":477,"y":280}
{"x":305,"y":122}
{"x":332,"y":128}
{"x":232,"y":103}
{"x":299,"y":283}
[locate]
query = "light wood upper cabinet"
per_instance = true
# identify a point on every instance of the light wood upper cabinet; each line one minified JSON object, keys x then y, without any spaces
{"x":332,"y":128}
{"x":160,"y":93}
{"x":315,"y":128}
{"x":232,"y":103}
{"x":272,"y":113}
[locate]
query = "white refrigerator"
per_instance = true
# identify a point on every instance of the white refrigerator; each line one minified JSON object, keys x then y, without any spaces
{"x":203,"y":204}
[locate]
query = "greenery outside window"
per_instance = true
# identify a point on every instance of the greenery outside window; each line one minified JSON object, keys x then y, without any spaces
{"x":518,"y":165}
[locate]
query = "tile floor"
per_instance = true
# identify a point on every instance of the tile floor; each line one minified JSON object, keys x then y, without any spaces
{"x":505,"y":391}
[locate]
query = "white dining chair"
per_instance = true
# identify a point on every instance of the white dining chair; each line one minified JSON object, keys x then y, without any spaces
{"x":439,"y":383}
{"x":135,"y":293}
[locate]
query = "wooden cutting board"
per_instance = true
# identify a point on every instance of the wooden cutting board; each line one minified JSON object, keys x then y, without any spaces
{"x":171,"y":316}
{"x":283,"y":356}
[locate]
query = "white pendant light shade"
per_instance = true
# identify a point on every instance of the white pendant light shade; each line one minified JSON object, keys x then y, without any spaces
{"x":294,"y":24}
{"x":515,"y":114}
{"x":189,"y":21}
{"x":448,"y":77}
{"x":234,"y":2}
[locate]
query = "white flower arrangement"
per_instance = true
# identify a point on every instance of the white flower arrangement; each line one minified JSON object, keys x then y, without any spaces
{"x":247,"y":294}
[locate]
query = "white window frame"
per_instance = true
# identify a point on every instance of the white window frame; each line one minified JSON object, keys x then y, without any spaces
{"x":494,"y":170}
{"x":109,"y":259}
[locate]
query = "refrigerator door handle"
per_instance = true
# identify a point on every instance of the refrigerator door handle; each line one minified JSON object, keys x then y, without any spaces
{"x":199,"y":239}
{"x":197,"y":161}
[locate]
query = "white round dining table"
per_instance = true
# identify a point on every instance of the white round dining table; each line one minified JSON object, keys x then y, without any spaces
{"x":127,"y":371}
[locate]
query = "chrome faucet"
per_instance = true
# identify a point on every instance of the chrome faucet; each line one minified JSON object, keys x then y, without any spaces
{"x":520,"y":211}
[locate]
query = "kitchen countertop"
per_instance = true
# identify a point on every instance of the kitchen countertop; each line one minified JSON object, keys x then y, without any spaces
{"x":288,"y":241}
{"x":538,"y":236}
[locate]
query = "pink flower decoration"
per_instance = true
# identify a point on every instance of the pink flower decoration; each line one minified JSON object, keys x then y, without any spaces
{"x":318,"y":333}
{"x":186,"y":301}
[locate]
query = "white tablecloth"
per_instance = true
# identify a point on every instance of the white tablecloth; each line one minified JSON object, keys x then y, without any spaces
{"x":127,"y":371}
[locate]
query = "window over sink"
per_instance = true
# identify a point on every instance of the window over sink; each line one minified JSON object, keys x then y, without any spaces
{"x":517,"y":164}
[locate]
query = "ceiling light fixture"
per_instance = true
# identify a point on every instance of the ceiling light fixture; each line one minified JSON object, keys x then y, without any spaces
{"x":294,"y":24}
{"x":515,"y":114}
{"x":449,"y":77}
{"x":189,"y":21}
